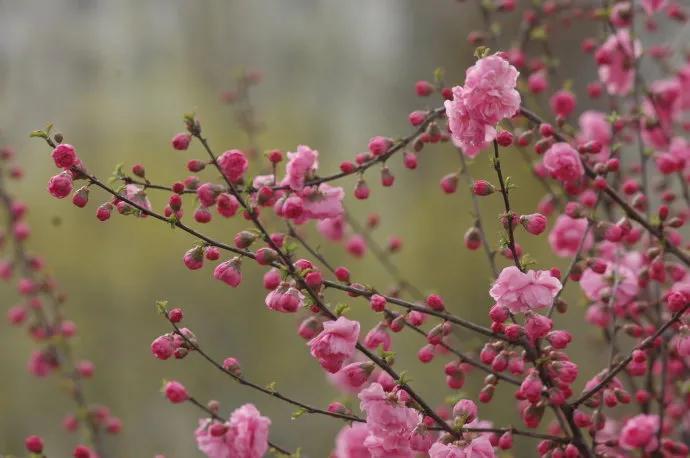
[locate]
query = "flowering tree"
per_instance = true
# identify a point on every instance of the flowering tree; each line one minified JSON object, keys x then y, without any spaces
{"x":616,"y":186}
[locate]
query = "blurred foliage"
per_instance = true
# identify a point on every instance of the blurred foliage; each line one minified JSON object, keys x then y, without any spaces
{"x":116,"y":77}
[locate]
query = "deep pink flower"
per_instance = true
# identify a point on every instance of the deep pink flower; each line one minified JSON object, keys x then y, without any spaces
{"x":640,"y":432}
{"x":229,"y":272}
{"x":181,"y":141}
{"x":534,"y":223}
{"x":64,"y":156}
{"x":233,"y":164}
{"x":300,"y":164}
{"x":175,"y":392}
{"x":524,"y":291}
{"x":285,"y":298}
{"x":163,"y":347}
{"x":567,"y":235}
{"x":562,"y":103}
{"x":335,"y":343}
{"x":563,"y":162}
{"x":60,"y":185}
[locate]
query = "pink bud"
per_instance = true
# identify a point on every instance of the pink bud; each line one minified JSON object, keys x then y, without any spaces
{"x":175,"y":392}
{"x":64,"y":156}
{"x":534,"y":224}
{"x":482,"y":188}
{"x":181,"y":141}
{"x":60,"y":186}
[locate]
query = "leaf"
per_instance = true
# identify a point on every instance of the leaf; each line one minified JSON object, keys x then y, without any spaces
{"x":162,"y":307}
{"x":341,"y":309}
{"x":481,"y":52}
{"x":439,"y":74}
{"x":271,"y":387}
{"x":298,"y":413}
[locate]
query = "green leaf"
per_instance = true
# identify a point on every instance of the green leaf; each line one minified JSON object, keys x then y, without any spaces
{"x":298,"y":413}
{"x":271,"y":387}
{"x":162,"y":307}
{"x":481,"y":52}
{"x":341,"y":309}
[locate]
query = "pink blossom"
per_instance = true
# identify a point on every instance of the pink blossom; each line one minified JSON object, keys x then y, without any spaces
{"x":567,"y":234}
{"x":332,"y":228}
{"x":349,"y":443}
{"x":229,"y":272}
{"x":245,"y":435}
{"x":41,"y":364}
{"x":354,"y":375}
{"x":615,"y":62}
{"x":233,"y":164}
{"x":285,"y":298}
{"x":390,"y":423}
{"x":595,"y":285}
{"x":468,"y":134}
{"x":323,"y":202}
{"x":524,"y":291}
{"x":489,"y":94}
{"x":194,"y":258}
{"x":335,"y":343}
{"x":594,"y":127}
{"x":479,"y":447}
{"x":640,"y":432}
{"x":60,"y":186}
{"x":300,"y":164}
{"x":163,"y":347}
{"x":563,"y":162}
{"x":562,"y":103}
{"x":64,"y":156}
{"x":175,"y":392}
{"x":137,"y":195}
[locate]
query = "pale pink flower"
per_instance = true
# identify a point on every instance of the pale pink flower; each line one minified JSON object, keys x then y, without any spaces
{"x":563,"y":162}
{"x":335,"y":343}
{"x":349,"y":443}
{"x":248,"y":431}
{"x":594,"y":285}
{"x":323,"y":202}
{"x":332,"y":228}
{"x":468,"y":134}
{"x":233,"y":163}
{"x":391,"y":424}
{"x":595,"y":127}
{"x":567,"y":234}
{"x":524,"y":291}
{"x":300,"y":165}
{"x":489,"y":94}
{"x":479,"y":447}
{"x":640,"y":432}
{"x":137,"y":195}
{"x":617,"y":53}
{"x":246,"y":435}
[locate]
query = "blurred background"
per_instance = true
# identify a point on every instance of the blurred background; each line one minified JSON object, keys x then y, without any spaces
{"x":116,"y":76}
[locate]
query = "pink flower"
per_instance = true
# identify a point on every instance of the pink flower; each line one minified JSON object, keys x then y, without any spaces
{"x":594,"y":127}
{"x":524,"y":291}
{"x":489,"y":94}
{"x":335,"y":343}
{"x":479,"y":447}
{"x":299,"y":166}
{"x":354,"y":375}
{"x":207,"y":194}
{"x":137,"y":195}
{"x":194,"y":258}
{"x":245,"y":435}
{"x":563,"y":162}
{"x":64,"y":156}
{"x":332,"y":228}
{"x":615,"y":62}
{"x":567,"y":235}
{"x":534,"y":223}
{"x":323,"y":202}
{"x":350,"y":441}
{"x":391,"y":424}
{"x":537,"y":326}
{"x":175,"y":392}
{"x":595,"y":285}
{"x":467,"y":133}
{"x":181,"y":141}
{"x":640,"y":432}
{"x":248,"y":432}
{"x":683,"y":345}
{"x":285,"y":298}
{"x":229,"y":272}
{"x":41,"y":364}
{"x":60,"y":186}
{"x":562,"y":103}
{"x":163,"y":347}
{"x":233,"y":164}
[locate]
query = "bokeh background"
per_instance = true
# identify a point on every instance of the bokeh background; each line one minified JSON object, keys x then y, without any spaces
{"x":116,"y":76}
